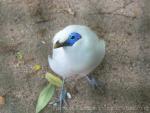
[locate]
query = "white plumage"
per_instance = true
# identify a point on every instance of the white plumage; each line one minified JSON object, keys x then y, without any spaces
{"x":79,"y":59}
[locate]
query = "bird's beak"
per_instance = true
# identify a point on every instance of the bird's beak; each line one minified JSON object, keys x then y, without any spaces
{"x":58,"y":45}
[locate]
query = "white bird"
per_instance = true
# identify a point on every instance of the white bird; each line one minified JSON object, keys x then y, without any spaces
{"x":77,"y":51}
{"x":79,"y":57}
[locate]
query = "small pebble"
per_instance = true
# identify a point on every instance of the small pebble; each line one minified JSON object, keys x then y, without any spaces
{"x":55,"y":104}
{"x":68,"y":95}
{"x":43,"y":42}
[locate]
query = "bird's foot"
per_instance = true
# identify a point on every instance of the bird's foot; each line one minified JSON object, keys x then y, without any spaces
{"x":63,"y":98}
{"x":96,"y":84}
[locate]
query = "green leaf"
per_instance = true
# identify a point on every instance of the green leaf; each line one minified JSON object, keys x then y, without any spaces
{"x":44,"y":97}
{"x":53,"y":79}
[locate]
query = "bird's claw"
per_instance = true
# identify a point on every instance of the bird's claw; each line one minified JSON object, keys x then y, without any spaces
{"x":96,"y":84}
{"x":63,"y":98}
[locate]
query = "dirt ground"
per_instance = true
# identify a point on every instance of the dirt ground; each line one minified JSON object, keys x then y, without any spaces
{"x":27,"y":27}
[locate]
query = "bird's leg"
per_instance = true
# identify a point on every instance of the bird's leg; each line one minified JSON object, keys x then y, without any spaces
{"x":96,"y":84}
{"x":63,"y":97}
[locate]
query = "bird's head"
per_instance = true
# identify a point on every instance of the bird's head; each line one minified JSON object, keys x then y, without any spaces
{"x":71,"y":36}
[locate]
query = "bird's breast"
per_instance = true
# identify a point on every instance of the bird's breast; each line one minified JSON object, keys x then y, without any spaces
{"x":69,"y":61}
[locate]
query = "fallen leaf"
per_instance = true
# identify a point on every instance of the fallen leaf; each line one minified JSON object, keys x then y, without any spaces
{"x":44,"y":97}
{"x":36,"y":67}
{"x":2,"y":100}
{"x":53,"y":79}
{"x":19,"y":55}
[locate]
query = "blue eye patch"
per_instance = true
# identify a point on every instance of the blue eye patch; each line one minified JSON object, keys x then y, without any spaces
{"x":73,"y":37}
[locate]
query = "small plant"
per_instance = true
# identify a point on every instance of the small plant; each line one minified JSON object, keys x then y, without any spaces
{"x":48,"y":91}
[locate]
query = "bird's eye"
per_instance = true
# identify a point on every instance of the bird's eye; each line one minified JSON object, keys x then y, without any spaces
{"x":72,"y":37}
